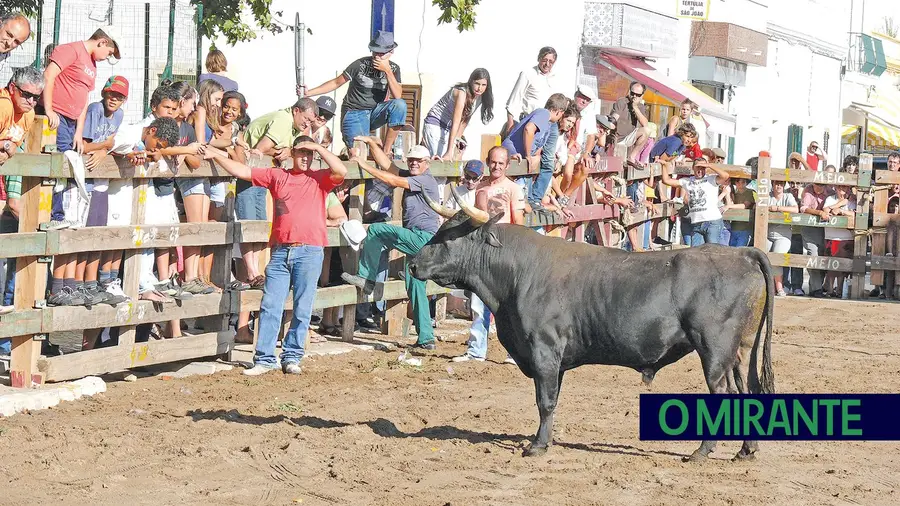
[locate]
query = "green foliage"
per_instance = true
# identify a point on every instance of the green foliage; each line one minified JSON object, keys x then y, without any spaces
{"x":223,"y":17}
{"x":26,"y":7}
{"x":460,"y":11}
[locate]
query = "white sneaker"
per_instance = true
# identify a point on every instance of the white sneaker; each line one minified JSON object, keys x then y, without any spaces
{"x":466,"y":358}
{"x":114,"y":289}
{"x":258,"y":370}
{"x":7,"y":309}
{"x":509,"y":360}
{"x":292,"y":368}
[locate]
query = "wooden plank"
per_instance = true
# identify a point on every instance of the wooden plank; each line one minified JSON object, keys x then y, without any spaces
{"x":21,"y":322}
{"x":341,"y":295}
{"x":881,"y":176}
{"x":886,"y":263}
{"x":23,"y":244}
{"x":395,"y":311}
{"x":795,"y":219}
{"x":349,"y":256}
{"x":131,"y":267}
{"x":775,"y":174}
{"x":811,"y":262}
{"x":62,"y":318}
{"x":861,"y":238}
{"x":591,"y":212}
{"x":137,"y":237}
{"x":761,"y":210}
{"x":107,"y":360}
{"x":258,"y":231}
{"x":31,"y":282}
{"x":880,"y":218}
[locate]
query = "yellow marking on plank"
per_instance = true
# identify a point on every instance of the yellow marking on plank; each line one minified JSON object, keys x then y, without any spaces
{"x":232,"y":189}
{"x":46,"y":202}
{"x":142,"y":196}
{"x":786,"y":217}
{"x":787,"y":258}
{"x":787,"y":175}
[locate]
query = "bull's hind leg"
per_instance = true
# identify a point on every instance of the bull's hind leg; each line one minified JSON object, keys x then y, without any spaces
{"x":716,"y":367}
{"x":546,"y":384}
{"x":742,"y":377}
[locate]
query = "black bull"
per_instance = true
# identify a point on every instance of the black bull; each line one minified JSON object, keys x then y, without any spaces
{"x":559,"y":305}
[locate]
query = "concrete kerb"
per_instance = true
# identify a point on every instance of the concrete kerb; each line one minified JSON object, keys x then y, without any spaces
{"x":17,"y":400}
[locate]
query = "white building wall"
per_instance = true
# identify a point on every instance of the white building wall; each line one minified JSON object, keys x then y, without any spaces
{"x":442,"y":58}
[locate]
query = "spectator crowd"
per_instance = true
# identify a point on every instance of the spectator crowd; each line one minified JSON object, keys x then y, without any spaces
{"x":561,"y":137}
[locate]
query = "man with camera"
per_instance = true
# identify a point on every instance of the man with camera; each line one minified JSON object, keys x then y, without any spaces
{"x":630,"y":115}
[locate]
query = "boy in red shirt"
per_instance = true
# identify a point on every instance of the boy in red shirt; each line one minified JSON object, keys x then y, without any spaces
{"x":298,"y":241}
{"x":69,"y":78}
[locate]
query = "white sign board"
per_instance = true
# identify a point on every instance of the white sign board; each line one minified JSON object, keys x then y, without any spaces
{"x":692,"y":9}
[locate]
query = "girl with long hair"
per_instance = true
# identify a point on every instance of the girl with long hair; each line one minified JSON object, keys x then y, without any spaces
{"x":448,"y":118}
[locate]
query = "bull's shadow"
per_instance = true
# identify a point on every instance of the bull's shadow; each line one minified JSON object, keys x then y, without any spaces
{"x":387,"y":429}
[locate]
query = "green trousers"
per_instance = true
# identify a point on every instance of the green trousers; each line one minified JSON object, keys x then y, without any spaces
{"x":382,"y":238}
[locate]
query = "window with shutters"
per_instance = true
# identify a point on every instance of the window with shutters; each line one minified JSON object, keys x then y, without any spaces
{"x":412,"y":94}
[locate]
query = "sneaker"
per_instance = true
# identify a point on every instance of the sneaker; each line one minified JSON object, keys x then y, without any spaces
{"x":197,"y":287}
{"x":56,"y":225}
{"x":65,"y":297}
{"x":819,"y":294}
{"x":258,"y":370}
{"x":367,"y":286}
{"x":291,"y":368}
{"x":114,"y":293}
{"x":660,"y":241}
{"x":430,"y":346}
{"x":91,"y":297}
{"x":509,"y":360}
{"x":171,"y":288}
{"x":368,"y":324}
{"x":466,"y":358}
{"x":780,"y":293}
{"x":799,"y":291}
{"x":7,"y":309}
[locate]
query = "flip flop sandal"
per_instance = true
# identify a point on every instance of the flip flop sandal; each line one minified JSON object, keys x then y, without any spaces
{"x":238,"y":286}
{"x":315,"y":338}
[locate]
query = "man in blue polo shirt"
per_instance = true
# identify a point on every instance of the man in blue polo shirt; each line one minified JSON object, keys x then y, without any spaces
{"x":535,"y":131}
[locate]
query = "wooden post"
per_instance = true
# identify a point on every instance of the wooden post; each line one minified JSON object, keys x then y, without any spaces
{"x":220,"y":275}
{"x":349,"y":257}
{"x":861,"y":227}
{"x":761,"y":211}
{"x":879,"y":241}
{"x":395,"y":310}
{"x":31,"y":281}
{"x":131,"y":276}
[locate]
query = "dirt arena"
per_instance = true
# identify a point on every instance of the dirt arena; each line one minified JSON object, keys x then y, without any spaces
{"x":359,"y":428}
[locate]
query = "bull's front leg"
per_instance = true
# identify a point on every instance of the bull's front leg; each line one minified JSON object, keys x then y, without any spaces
{"x":546,"y":384}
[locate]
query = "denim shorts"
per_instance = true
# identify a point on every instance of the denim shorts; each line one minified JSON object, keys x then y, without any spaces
{"x":193,"y":186}
{"x":250,"y":202}
{"x":361,"y":122}
{"x":217,"y":191}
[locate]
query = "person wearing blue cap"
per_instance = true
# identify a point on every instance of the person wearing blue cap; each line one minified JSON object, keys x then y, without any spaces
{"x":473,"y":173}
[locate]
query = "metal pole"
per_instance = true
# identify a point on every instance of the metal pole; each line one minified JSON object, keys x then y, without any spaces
{"x":146,"y":59}
{"x":40,"y":25}
{"x":199,"y":41}
{"x":56,"y":22}
{"x":167,"y":74}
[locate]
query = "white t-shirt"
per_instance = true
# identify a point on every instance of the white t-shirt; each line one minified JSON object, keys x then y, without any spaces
{"x":467,"y":195}
{"x":839,"y":234}
{"x":787,"y":200}
{"x":703,"y":197}
{"x":587,"y":125}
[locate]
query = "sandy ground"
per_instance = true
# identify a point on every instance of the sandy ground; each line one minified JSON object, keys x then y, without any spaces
{"x":361,"y":429}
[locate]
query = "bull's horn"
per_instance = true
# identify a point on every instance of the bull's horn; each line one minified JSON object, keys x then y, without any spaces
{"x":443,"y":211}
{"x":478,"y":216}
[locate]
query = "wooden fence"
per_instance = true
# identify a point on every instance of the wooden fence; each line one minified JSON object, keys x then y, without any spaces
{"x":31,"y":321}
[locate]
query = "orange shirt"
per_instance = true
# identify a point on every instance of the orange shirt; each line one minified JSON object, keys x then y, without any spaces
{"x":12,"y":127}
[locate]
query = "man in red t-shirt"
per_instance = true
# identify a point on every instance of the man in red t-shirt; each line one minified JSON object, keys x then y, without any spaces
{"x":814,"y":156}
{"x":298,"y":241}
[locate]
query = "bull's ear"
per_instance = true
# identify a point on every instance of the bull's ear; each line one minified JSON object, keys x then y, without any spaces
{"x":492,"y":238}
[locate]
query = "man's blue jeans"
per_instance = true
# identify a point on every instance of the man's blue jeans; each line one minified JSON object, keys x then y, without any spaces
{"x":296,"y":267}
{"x":706,"y":232}
{"x":481,"y":326}
{"x":739,"y":238}
{"x":361,"y":122}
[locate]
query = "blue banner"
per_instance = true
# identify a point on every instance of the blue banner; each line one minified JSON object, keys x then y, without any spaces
{"x":773,"y":417}
{"x":382,"y":16}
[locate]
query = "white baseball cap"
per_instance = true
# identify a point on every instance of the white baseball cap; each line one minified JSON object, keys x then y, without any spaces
{"x":418,"y":152}
{"x":354,"y":232}
{"x":587,"y":92}
{"x":113,"y":33}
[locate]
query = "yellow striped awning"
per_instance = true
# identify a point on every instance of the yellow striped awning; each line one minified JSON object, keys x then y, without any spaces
{"x":884,"y":121}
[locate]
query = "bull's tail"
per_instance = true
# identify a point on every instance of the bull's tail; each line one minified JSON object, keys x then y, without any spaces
{"x":766,"y":384}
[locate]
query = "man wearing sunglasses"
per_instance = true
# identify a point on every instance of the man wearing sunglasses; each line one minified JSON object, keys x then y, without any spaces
{"x":14,"y":30}
{"x":17,"y":103}
{"x":318,"y":129}
{"x":630,"y":115}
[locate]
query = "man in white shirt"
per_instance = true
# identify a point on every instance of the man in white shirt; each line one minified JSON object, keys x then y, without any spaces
{"x":532,"y":89}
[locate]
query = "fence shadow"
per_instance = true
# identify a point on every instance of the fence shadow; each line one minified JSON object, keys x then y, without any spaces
{"x":387,"y":429}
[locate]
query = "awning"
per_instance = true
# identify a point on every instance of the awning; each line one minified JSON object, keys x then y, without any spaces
{"x":884,"y":121}
{"x":719,"y":120}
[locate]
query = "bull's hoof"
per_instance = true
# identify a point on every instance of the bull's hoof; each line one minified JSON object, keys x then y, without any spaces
{"x":695,"y":457}
{"x":744,"y":457}
{"x":535,"y":451}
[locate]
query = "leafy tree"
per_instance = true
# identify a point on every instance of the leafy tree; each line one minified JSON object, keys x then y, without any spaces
{"x":461,"y":11}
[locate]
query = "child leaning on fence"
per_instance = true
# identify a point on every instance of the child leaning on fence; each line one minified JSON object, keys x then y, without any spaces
{"x":298,"y":241}
{"x":838,"y":241}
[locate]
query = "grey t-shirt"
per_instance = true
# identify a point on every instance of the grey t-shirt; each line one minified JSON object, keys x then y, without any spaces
{"x":368,"y":85}
{"x":416,"y":212}
{"x":627,"y":121}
